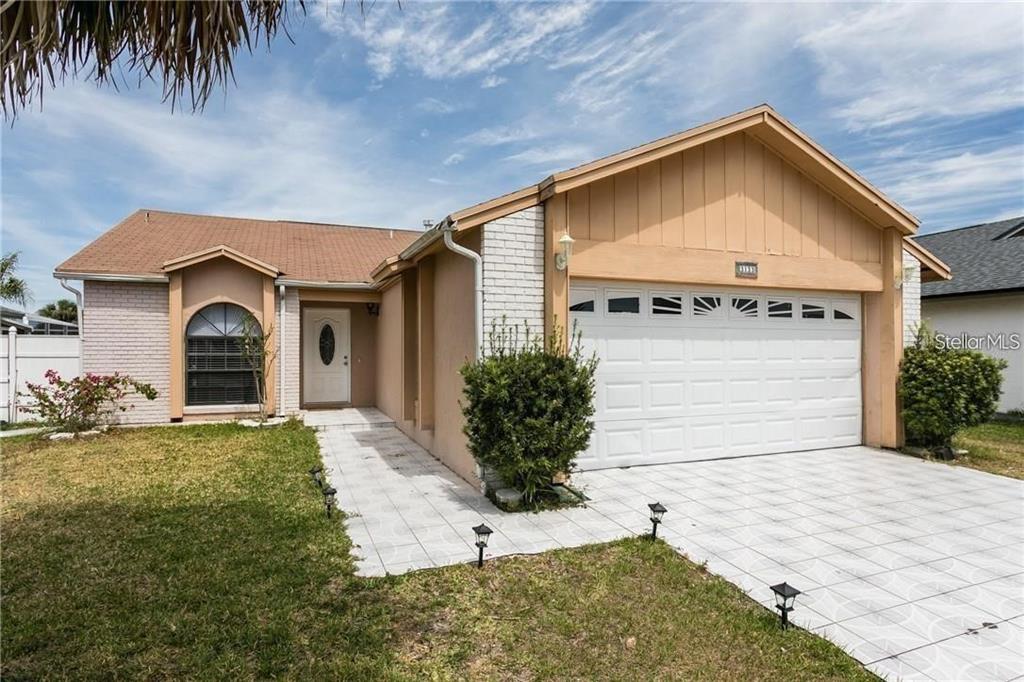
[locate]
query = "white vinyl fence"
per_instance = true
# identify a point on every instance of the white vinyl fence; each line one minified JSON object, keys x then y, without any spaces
{"x":24,"y":358}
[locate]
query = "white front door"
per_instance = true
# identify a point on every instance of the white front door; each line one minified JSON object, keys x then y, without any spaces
{"x":689,"y":373}
{"x":326,"y":347}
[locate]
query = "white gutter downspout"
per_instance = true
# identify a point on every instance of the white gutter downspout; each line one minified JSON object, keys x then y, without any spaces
{"x":280,"y":351}
{"x":79,"y":305}
{"x":478,"y":277}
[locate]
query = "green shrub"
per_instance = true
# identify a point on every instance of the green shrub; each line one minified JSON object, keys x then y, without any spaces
{"x":945,"y":389}
{"x":528,"y":405}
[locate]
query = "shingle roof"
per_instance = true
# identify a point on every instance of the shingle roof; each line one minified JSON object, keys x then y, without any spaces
{"x":981,"y":257}
{"x":141,"y":243}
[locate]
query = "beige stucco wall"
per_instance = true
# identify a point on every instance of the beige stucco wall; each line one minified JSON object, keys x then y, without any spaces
{"x":222,"y":281}
{"x":453,"y":344}
{"x":389,"y":353}
{"x":125,"y":330}
{"x":453,"y":340}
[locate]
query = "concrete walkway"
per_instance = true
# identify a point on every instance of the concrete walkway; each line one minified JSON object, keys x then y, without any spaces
{"x":916,"y":568}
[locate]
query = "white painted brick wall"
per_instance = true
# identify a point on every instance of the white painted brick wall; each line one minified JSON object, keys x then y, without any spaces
{"x":513,"y":253}
{"x":911,"y":297}
{"x":290,"y":353}
{"x":126,"y":331}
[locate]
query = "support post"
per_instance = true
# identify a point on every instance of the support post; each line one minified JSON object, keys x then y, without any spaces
{"x":12,"y":375}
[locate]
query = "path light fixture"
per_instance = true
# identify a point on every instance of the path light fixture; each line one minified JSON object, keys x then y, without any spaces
{"x":317,"y":474}
{"x":562,"y":259}
{"x":483,"y":534}
{"x":657,"y":511}
{"x":329,"y":500}
{"x":785,"y":597}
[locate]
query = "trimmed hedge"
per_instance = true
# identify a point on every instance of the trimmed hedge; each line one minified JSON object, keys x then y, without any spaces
{"x":528,"y":405}
{"x":944,"y":390}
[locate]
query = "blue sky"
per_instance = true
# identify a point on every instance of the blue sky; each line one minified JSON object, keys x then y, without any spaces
{"x":412,"y":113}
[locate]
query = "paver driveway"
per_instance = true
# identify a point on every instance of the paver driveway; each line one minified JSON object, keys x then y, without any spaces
{"x":916,"y":568}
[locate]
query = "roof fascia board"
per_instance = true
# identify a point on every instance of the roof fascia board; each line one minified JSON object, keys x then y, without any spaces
{"x":495,"y":208}
{"x":809,"y":157}
{"x":928,"y":259}
{"x":110,"y":277}
{"x":219,"y":252}
{"x":312,"y":284}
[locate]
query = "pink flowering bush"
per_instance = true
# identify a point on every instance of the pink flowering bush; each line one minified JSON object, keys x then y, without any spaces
{"x":82,"y":403}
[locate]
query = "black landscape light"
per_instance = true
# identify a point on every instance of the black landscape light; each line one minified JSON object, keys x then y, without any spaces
{"x":483,"y":534}
{"x":657,"y":511}
{"x":329,"y":500}
{"x":785,"y":597}
{"x":317,"y":474}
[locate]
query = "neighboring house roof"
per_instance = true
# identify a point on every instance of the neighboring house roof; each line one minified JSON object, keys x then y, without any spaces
{"x":33,"y":322}
{"x":984,"y":258}
{"x":932,"y":267}
{"x":145,"y":242}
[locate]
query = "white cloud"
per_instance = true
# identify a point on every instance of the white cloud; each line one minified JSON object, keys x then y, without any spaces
{"x":453,"y":159}
{"x":947,"y":186}
{"x":499,"y":135}
{"x":492,"y":81}
{"x":889,"y":64}
{"x":445,"y":41}
{"x":550,"y":154}
{"x":433,"y":105}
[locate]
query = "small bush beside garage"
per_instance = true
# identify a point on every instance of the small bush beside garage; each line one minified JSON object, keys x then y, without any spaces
{"x":528,"y":406}
{"x":945,"y":390}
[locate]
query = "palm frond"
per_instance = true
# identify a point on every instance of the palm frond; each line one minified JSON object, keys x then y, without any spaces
{"x":12,"y":288}
{"x":191,"y":45}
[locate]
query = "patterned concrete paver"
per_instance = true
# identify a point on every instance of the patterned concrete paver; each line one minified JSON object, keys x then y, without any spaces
{"x":916,"y":568}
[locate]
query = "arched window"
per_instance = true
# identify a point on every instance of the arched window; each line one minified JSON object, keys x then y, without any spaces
{"x":217,"y":371}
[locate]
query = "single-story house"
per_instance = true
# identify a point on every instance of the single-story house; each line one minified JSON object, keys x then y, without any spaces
{"x":983,"y":307}
{"x":742,"y":288}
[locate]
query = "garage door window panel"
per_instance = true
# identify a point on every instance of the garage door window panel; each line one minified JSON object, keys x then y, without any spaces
{"x":744,"y":307}
{"x":667,"y":305}
{"x":707,"y":306}
{"x":780,"y":309}
{"x":582,"y":300}
{"x":623,"y":303}
{"x":813,"y":310}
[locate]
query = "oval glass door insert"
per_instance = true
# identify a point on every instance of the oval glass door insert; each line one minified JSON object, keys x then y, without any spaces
{"x":327,"y":344}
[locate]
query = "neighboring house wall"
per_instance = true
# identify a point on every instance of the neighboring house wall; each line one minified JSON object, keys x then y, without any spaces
{"x":911,"y":298}
{"x":513,"y":252}
{"x":981,"y":315}
{"x":127,"y":331}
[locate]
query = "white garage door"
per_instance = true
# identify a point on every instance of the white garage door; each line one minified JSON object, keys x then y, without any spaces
{"x":701,"y":373}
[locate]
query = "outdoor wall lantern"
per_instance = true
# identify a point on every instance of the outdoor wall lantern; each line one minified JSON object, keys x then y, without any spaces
{"x":483,"y":534}
{"x":562,"y":259}
{"x":329,"y":500}
{"x":657,"y":511}
{"x":317,"y":473}
{"x":785,"y":597}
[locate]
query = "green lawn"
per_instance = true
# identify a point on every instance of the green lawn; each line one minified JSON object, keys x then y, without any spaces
{"x":997,"y":447}
{"x":203,"y":552}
